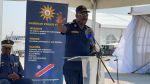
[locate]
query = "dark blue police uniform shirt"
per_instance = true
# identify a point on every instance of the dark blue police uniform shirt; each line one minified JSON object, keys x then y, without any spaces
{"x":10,"y":64}
{"x":76,"y":45}
{"x":76,"y":42}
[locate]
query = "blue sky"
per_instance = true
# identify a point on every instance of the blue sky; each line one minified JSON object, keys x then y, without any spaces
{"x":14,"y":14}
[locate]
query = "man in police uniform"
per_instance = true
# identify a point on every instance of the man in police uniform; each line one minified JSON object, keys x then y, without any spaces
{"x":11,"y":71}
{"x":77,"y":44}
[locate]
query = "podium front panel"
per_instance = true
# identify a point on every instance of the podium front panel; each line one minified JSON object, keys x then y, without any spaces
{"x":89,"y":67}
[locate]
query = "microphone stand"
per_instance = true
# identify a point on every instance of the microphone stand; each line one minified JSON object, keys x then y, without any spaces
{"x":97,"y":74}
{"x":99,"y":56}
{"x":117,"y":70}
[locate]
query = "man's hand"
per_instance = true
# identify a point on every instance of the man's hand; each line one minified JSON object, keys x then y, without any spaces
{"x":59,"y":19}
{"x":13,"y":76}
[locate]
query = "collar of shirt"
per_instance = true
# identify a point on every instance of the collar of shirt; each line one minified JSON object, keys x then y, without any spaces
{"x":81,"y":28}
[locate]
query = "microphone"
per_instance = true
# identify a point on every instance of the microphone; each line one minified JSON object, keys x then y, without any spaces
{"x":90,"y":35}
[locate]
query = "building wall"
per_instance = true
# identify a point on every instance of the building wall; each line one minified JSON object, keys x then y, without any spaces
{"x":110,"y":35}
{"x":107,"y":35}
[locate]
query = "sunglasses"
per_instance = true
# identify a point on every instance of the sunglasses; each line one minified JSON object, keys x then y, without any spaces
{"x":83,"y":14}
{"x":7,"y":48}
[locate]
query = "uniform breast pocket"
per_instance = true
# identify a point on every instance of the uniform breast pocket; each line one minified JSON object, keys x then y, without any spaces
{"x":73,"y":39}
{"x":75,"y":36}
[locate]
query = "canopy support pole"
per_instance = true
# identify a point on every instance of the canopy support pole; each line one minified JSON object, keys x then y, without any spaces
{"x":1,"y":19}
{"x":94,"y":6}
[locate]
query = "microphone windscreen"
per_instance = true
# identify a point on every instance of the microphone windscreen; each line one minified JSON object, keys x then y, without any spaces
{"x":89,"y":33}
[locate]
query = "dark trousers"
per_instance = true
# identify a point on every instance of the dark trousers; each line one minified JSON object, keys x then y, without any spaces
{"x":19,"y":81}
{"x":22,"y":81}
{"x":73,"y":73}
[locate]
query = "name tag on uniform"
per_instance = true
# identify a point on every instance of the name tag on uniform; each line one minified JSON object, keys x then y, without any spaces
{"x":2,"y":63}
{"x":75,"y":32}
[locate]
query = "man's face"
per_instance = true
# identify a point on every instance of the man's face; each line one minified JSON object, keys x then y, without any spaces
{"x":82,"y":17}
{"x":6,"y":50}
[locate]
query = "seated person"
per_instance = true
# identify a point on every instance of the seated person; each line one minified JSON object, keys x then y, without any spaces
{"x":11,"y":71}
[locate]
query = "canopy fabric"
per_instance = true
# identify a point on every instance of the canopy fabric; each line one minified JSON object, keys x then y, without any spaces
{"x":72,"y":3}
{"x":140,"y":10}
{"x":119,"y":3}
{"x":100,"y":3}
{"x":134,"y":48}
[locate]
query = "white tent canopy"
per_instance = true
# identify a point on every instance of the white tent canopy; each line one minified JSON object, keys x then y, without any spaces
{"x":140,"y":10}
{"x":119,"y":3}
{"x":100,"y":3}
{"x":134,"y":48}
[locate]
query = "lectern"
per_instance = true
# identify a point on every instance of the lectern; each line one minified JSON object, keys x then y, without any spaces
{"x":93,"y":70}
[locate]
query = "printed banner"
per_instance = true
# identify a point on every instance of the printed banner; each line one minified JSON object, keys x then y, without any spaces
{"x":44,"y":47}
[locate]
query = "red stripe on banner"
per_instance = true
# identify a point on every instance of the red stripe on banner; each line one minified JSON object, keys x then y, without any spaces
{"x":44,"y":70}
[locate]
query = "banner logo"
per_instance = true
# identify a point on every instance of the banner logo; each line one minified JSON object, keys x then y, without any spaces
{"x":47,"y":12}
{"x":44,"y":70}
